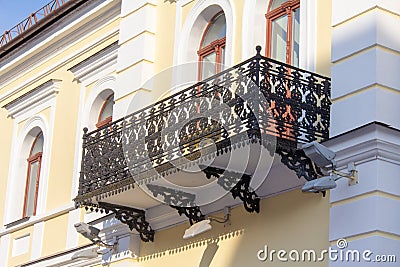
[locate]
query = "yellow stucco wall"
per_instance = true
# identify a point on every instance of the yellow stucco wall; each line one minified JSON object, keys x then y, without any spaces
{"x":55,"y":235}
{"x":165,"y":35}
{"x":324,"y":31}
{"x":289,"y":221}
{"x":5,"y":144}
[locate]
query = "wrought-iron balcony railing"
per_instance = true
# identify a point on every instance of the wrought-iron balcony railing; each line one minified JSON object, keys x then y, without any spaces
{"x":248,"y":103}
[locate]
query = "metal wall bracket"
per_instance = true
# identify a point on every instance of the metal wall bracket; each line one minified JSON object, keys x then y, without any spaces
{"x":134,"y":218}
{"x":172,"y":196}
{"x":238,"y":184}
{"x":193,"y":213}
{"x":296,"y":160}
{"x":183,"y":202}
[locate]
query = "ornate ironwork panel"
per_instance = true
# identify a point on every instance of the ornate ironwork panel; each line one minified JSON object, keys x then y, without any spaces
{"x":257,"y":98}
{"x":134,"y":218}
{"x":192,"y":213}
{"x":238,"y":184}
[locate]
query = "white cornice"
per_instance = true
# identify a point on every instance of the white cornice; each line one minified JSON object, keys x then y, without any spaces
{"x":68,"y":59}
{"x":369,"y":142}
{"x":34,"y":56}
{"x":102,"y":60}
{"x":32,"y":99}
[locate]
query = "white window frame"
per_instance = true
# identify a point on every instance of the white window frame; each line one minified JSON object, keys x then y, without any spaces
{"x":28,"y":108}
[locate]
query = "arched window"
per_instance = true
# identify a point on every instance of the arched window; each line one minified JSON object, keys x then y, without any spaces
{"x":212,"y":47}
{"x":33,"y":176}
{"x":106,"y":111}
{"x":283,"y":31}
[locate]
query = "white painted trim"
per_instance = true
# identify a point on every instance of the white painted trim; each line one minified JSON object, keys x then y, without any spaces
{"x":5,"y":242}
{"x":23,"y":105}
{"x":62,"y":62}
{"x":308,"y":34}
{"x":21,"y":245}
{"x":366,"y":143}
{"x":227,"y":7}
{"x":63,"y":260}
{"x":88,"y":70}
{"x":74,"y":216}
{"x":254,"y":14}
{"x":86,"y":114}
{"x":17,"y":175}
{"x":78,"y":144}
{"x":74,"y":38}
{"x":39,"y":218}
{"x":37,"y":240}
{"x":103,"y":84}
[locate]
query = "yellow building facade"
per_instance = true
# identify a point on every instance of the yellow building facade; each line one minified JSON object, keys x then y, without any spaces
{"x":88,"y":64}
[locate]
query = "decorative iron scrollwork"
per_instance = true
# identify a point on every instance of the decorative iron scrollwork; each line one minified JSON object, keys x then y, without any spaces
{"x":262,"y":95}
{"x":134,"y":218}
{"x":173,"y":197}
{"x":238,"y":184}
{"x":296,"y":160}
{"x":183,"y":202}
{"x":192,"y":213}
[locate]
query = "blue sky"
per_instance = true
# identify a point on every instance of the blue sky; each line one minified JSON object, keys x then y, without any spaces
{"x":14,"y":11}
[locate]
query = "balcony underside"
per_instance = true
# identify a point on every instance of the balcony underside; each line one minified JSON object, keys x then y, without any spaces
{"x":223,"y":136}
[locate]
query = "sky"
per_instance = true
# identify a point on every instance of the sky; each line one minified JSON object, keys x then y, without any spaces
{"x":14,"y":11}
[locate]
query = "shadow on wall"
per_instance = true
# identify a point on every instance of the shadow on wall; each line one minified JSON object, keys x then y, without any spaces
{"x":210,"y":244}
{"x":209,"y":254}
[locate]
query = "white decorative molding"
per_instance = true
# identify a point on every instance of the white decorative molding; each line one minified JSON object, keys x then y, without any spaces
{"x":37,"y":219}
{"x":89,"y":108}
{"x":103,"y":61}
{"x":22,"y":63}
{"x":369,"y":142}
{"x":74,"y":216}
{"x":32,"y":99}
{"x":64,"y":258}
{"x":5,"y":241}
{"x":192,"y":30}
{"x":37,"y":240}
{"x":20,"y":245}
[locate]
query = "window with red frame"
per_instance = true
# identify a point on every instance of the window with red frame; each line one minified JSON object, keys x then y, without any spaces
{"x":212,"y":47}
{"x":106,"y":111}
{"x":283,"y":31}
{"x":33,"y":176}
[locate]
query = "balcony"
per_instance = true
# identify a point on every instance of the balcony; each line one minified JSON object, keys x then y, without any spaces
{"x":258,"y":104}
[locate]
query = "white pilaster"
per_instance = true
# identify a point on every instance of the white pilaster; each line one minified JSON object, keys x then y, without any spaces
{"x":136,"y":53}
{"x":365,"y":93}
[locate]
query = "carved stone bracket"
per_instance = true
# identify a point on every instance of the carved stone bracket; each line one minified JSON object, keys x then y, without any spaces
{"x":134,"y":218}
{"x":193,"y":213}
{"x":238,"y":184}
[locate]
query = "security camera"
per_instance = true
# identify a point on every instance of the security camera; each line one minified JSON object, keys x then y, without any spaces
{"x":92,"y":233}
{"x":319,"y":154}
{"x":320,"y":185}
{"x":88,"y":231}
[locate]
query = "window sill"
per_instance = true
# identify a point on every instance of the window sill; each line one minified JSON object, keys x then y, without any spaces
{"x":14,"y":223}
